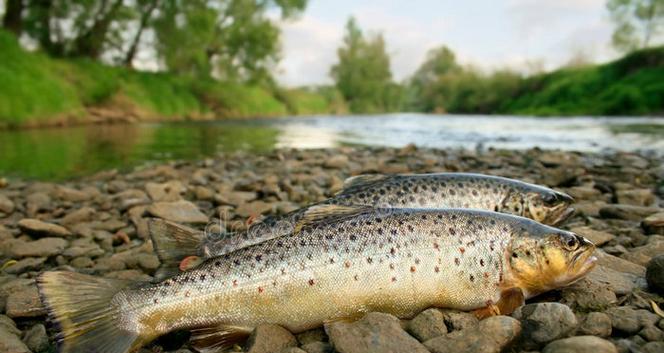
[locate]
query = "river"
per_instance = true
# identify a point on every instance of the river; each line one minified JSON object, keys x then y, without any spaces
{"x":61,"y":153}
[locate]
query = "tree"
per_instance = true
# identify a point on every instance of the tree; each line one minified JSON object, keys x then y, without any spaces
{"x":638,"y":22}
{"x":362,"y":74}
{"x":13,"y":20}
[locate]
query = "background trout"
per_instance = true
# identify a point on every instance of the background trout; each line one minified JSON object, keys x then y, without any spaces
{"x":340,"y":262}
{"x":439,"y":190}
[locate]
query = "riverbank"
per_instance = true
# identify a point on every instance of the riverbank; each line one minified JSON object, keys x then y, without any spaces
{"x":39,"y":91}
{"x":97,"y":225}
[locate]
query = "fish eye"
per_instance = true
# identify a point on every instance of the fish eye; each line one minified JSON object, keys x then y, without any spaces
{"x":569,"y":241}
{"x":549,"y":199}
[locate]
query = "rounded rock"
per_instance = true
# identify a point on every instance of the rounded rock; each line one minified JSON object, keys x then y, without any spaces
{"x":580,"y":344}
{"x":545,"y":322}
{"x":655,"y":274}
{"x":427,"y":325}
{"x":596,"y":324}
{"x":269,"y":339}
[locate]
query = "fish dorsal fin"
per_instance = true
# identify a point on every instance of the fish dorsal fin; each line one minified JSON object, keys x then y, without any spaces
{"x":218,"y":338}
{"x":172,"y":243}
{"x":361,"y":181}
{"x":328,"y":213}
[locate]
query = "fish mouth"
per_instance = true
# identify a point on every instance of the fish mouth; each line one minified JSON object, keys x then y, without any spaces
{"x":565,"y":213}
{"x":582,"y":263}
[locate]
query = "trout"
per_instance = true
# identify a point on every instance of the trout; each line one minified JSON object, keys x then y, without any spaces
{"x":338,"y":263}
{"x":174,"y":243}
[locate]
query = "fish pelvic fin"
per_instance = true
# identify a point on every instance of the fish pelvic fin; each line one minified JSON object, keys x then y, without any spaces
{"x":358,"y":182}
{"x":172,"y":242}
{"x":80,"y":307}
{"x":217,"y":338}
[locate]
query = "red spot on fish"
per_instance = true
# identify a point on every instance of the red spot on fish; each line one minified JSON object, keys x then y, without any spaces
{"x":436,"y":246}
{"x":347,"y":264}
{"x":260,"y":289}
{"x":462,"y":250}
{"x":412,"y":268}
{"x":486,"y":275}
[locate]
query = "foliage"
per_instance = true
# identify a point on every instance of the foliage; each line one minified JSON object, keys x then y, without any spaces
{"x":363,"y":75}
{"x":638,"y":22}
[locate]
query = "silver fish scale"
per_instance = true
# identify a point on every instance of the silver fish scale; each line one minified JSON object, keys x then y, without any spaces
{"x":398,"y":261}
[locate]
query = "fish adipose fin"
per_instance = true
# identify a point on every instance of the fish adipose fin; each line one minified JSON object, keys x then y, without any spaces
{"x":328,"y":213}
{"x":357,"y":182}
{"x":172,"y":243}
{"x":218,"y":338}
{"x":79,"y":306}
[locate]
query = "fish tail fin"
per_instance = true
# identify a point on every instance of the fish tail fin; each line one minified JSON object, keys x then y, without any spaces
{"x":80,"y":307}
{"x":173,"y":242}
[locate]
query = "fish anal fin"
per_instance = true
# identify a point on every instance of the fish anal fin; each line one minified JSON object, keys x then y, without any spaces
{"x":217,"y":338}
{"x":332,"y":213}
{"x":361,"y":181}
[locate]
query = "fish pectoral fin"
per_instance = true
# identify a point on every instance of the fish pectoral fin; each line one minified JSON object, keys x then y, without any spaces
{"x":487,"y":311}
{"x":328,"y":213}
{"x":360,"y":181}
{"x":510,"y":299}
{"x":217,"y":338}
{"x":172,"y":243}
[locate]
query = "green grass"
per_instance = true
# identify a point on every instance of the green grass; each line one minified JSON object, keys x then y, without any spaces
{"x":633,"y":85}
{"x":38,"y":90}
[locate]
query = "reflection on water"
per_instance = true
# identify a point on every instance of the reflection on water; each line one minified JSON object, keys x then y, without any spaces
{"x":67,"y":152}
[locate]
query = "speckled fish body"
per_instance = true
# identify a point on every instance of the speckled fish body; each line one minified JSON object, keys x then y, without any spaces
{"x":398,"y":261}
{"x":438,"y":190}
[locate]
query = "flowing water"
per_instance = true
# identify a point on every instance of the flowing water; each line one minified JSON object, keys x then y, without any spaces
{"x":62,"y":153}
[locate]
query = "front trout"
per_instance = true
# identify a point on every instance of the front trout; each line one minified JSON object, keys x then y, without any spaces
{"x":438,"y":190}
{"x":340,"y":262}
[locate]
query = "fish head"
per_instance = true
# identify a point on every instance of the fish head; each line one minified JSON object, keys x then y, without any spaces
{"x":544,"y":261}
{"x":542,"y":204}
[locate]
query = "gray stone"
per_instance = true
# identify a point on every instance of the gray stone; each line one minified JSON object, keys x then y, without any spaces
{"x":82,"y":262}
{"x":492,"y":335}
{"x":269,"y":339}
{"x":6,"y":205}
{"x":596,"y":324}
{"x":545,"y":322}
{"x":625,"y":320}
{"x":580,"y":344}
{"x":620,"y":283}
{"x":39,"y":228}
{"x":651,"y":333}
{"x":597,"y":237}
{"x":253,"y":208}
{"x":27,"y":264}
{"x":337,"y":161}
{"x":82,"y":214}
{"x":318,"y":347}
{"x":148,"y":262}
{"x":654,"y":224}
{"x":70,"y":194}
{"x":636,"y":197}
{"x":44,"y":247}
{"x":169,"y":191}
{"x":655,"y":274}
{"x":618,"y":264}
{"x":315,"y":335}
{"x":376,"y":332}
{"x":36,"y":338}
{"x":459,"y":320}
{"x":642,"y":254}
{"x":37,"y":202}
{"x":589,"y":294}
{"x":25,"y":303}
{"x":427,"y":325}
{"x":653,"y":347}
{"x":627,"y":212}
{"x":292,"y":350}
{"x":10,"y":342}
{"x":178,"y":211}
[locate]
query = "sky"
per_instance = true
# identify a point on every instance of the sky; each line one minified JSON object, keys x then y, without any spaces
{"x":489,"y":34}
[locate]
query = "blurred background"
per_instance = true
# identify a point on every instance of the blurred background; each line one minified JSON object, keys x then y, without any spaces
{"x":87,"y":85}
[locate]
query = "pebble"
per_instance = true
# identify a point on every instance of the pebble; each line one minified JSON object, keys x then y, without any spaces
{"x":654,"y":224}
{"x":178,"y":211}
{"x":39,"y":228}
{"x":253,"y":208}
{"x":269,"y":339}
{"x":642,"y":254}
{"x":375,"y":332}
{"x":27,"y":264}
{"x":545,"y":322}
{"x":456,"y":320}
{"x":627,"y":212}
{"x":651,"y":333}
{"x":597,"y":237}
{"x":82,"y":214}
{"x":492,"y":335}
{"x":629,"y":321}
{"x":25,"y":303}
{"x":6,"y":205}
{"x":427,"y":325}
{"x":168,"y":191}
{"x":653,"y":347}
{"x":36,"y":339}
{"x":317,"y":347}
{"x":9,"y":339}
{"x":596,"y":324}
{"x":580,"y":344}
{"x":44,"y":247}
{"x":655,"y":274}
{"x":636,"y":197}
